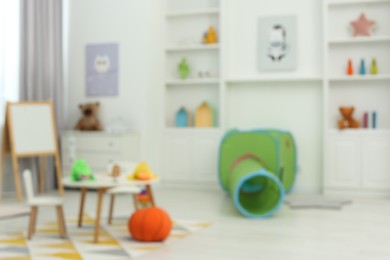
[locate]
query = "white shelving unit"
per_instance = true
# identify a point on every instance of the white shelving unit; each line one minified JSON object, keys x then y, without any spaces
{"x":189,"y":153}
{"x":365,"y":40}
{"x":185,"y":14}
{"x":279,"y":78}
{"x":356,"y":160}
{"x":186,"y":82}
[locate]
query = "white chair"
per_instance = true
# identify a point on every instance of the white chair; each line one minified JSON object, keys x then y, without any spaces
{"x":133,"y":190}
{"x":35,"y":202}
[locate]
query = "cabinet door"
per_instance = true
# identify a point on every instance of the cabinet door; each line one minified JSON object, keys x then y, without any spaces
{"x":177,"y":158}
{"x":344,"y":162}
{"x":205,"y":159}
{"x":376,"y":162}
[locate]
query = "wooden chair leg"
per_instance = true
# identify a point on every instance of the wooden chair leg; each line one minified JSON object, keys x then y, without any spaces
{"x":82,"y":202}
{"x":33,"y":221}
{"x":112,"y":202}
{"x":64,"y":222}
{"x":61,"y":221}
{"x":43,"y":174}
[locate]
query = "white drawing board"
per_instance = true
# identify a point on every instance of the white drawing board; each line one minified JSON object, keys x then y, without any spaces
{"x":33,"y":128}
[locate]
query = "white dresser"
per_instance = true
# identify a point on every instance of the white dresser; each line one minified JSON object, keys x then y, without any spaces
{"x":98,"y":149}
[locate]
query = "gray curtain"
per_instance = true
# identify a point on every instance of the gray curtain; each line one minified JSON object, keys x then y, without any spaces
{"x":41,"y":71}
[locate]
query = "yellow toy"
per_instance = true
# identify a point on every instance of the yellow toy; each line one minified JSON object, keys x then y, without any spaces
{"x":142,"y":172}
{"x":210,"y":36}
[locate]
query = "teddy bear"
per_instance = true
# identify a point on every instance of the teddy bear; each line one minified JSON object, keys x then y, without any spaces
{"x":347,"y":121}
{"x":89,"y":120}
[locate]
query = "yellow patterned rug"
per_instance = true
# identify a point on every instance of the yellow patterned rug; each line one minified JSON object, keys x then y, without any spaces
{"x":115,"y":241}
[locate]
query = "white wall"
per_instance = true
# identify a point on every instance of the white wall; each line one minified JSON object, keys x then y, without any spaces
{"x":296,"y":106}
{"x":137,"y":27}
{"x":130,"y":23}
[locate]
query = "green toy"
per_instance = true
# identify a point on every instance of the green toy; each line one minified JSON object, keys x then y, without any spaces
{"x":256,"y":168}
{"x":81,"y":171}
{"x":184,"y":68}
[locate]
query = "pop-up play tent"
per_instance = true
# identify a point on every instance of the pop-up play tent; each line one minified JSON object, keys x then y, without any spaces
{"x":257,"y":168}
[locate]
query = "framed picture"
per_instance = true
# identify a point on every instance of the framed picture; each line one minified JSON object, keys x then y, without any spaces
{"x":277,"y":43}
{"x":102,"y":69}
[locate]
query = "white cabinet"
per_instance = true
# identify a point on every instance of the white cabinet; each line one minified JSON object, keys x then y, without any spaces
{"x":376,"y":163}
{"x":344,"y":170}
{"x":191,"y":155}
{"x":98,"y":149}
{"x":358,"y":161}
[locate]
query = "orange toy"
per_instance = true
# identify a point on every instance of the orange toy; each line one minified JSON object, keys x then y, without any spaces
{"x":150,"y":225}
{"x":210,"y":36}
{"x":347,"y":121}
{"x":349,"y":68}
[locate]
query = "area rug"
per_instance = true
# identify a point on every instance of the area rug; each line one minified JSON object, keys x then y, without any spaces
{"x":115,"y":242}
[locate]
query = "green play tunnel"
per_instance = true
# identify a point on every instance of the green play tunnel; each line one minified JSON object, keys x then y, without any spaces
{"x":256,"y":168}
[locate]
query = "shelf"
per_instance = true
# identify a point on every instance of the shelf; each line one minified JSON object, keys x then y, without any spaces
{"x":192,"y":129}
{"x":198,"y":47}
{"x":178,"y":14}
{"x":368,"y":77}
{"x":359,"y":131}
{"x":274,"y":78}
{"x":369,"y":39}
{"x":180,"y":82}
{"x":355,"y":2}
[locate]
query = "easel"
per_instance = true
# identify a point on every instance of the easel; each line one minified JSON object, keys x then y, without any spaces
{"x":11,"y":144}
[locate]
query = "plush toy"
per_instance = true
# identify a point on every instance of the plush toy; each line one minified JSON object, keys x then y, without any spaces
{"x":89,"y":120}
{"x":81,"y":171}
{"x":142,"y":172}
{"x":347,"y":120}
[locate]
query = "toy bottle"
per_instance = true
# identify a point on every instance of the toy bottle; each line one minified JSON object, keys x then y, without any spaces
{"x":362,"y":70}
{"x":184,"y":68}
{"x":374,"y":68}
{"x":210,"y":37}
{"x":350,"y":67}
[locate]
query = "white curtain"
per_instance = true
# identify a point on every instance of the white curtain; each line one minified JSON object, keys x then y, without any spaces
{"x":9,"y":52}
{"x":9,"y":66}
{"x":41,"y":66}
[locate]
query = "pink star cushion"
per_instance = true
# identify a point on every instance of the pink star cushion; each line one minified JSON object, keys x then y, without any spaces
{"x":362,"y":26}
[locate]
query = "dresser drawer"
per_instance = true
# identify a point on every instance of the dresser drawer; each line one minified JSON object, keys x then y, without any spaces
{"x":95,"y":160}
{"x":97,"y":144}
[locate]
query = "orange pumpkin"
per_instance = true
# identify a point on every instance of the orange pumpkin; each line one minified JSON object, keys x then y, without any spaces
{"x":150,"y":225}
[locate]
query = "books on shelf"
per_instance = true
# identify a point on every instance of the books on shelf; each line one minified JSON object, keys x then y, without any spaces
{"x":370,"y":120}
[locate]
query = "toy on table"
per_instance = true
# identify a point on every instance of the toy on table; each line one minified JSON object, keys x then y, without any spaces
{"x":349,"y":67}
{"x":347,"y":120}
{"x":362,"y":69}
{"x":115,"y":172}
{"x":81,"y":171}
{"x":184,"y":69}
{"x":150,"y":225}
{"x":89,"y":120}
{"x":210,"y":37}
{"x":374,"y":67}
{"x":142,"y":172}
{"x":362,"y":26}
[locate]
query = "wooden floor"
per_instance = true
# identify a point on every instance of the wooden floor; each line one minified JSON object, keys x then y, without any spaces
{"x":358,"y":231}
